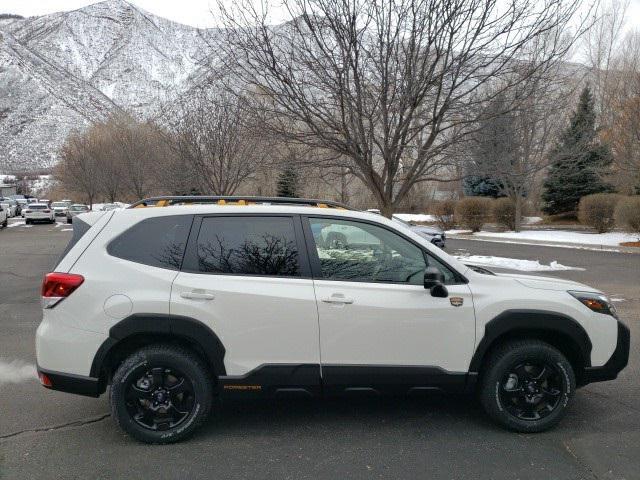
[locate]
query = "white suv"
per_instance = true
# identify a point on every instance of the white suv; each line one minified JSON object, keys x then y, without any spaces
{"x":255,"y":297}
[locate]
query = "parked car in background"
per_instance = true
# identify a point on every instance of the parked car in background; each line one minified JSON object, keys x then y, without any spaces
{"x":107,"y":207}
{"x":10,"y":206}
{"x":60,"y":209}
{"x":75,"y":210}
{"x":431,"y":233}
{"x":45,"y":201}
{"x":3,"y":217}
{"x":38,"y":212}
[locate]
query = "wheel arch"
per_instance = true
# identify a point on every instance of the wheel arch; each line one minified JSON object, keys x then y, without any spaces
{"x":557,"y":329}
{"x":139,"y":330}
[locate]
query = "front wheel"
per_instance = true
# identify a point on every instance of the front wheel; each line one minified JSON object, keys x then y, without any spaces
{"x":527,"y":385}
{"x":161,"y":394}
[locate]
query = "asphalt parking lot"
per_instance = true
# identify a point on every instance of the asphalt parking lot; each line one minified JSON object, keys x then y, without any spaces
{"x":45,"y":434}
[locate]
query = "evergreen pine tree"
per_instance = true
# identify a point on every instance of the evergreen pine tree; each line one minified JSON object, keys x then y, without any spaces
{"x":288,"y":183}
{"x":578,"y":162}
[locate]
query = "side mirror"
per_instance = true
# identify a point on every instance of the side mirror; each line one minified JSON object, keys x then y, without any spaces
{"x":432,"y":277}
{"x":434,"y":281}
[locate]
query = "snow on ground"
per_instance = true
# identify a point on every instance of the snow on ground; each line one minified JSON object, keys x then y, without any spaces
{"x":563,"y":236}
{"x":513,"y":263}
{"x":415,"y":217}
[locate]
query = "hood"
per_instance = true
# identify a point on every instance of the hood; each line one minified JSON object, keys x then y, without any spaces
{"x":548,"y":283}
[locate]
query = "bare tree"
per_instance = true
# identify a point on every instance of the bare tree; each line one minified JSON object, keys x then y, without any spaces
{"x":516,"y":130}
{"x":213,"y":139}
{"x":382,"y":83}
{"x":602,"y":41}
{"x":79,"y":168}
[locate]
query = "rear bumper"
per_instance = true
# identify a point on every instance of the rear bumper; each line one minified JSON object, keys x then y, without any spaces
{"x":615,"y":364}
{"x":67,"y":382}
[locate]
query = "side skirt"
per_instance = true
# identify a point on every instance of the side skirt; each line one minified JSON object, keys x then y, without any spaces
{"x":306,"y":380}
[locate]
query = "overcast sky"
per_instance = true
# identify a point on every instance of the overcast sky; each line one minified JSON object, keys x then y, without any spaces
{"x":190,"y":12}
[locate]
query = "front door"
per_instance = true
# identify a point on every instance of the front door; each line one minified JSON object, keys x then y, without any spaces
{"x":380,"y":329}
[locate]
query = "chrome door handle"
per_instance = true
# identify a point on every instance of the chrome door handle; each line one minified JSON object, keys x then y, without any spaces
{"x":197,"y":296}
{"x":338,"y":299}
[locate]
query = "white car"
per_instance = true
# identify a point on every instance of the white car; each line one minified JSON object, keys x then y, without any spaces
{"x":60,"y":208}
{"x":38,"y":212}
{"x":10,"y":205}
{"x":175,"y":306}
{"x":3,"y":217}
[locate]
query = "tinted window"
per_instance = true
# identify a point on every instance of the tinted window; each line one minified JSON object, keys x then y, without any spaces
{"x":366,"y":253}
{"x":248,"y":246}
{"x":158,"y":242}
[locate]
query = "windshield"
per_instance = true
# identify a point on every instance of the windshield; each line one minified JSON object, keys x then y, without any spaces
{"x":58,"y":204}
{"x":37,"y":207}
{"x":79,"y":208}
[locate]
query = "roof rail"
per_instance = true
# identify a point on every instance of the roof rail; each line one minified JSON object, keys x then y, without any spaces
{"x":166,"y":201}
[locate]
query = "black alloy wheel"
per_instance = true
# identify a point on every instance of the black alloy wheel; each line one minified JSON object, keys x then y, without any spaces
{"x":531,"y":391}
{"x":161,"y":399}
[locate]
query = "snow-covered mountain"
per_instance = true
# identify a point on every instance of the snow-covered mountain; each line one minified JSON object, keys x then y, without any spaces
{"x":62,"y":71}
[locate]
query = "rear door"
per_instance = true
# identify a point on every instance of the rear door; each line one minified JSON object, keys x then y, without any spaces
{"x":248,"y":278}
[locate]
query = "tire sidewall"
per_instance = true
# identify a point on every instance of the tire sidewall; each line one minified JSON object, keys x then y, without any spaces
{"x":143,"y":361}
{"x":527,"y":353}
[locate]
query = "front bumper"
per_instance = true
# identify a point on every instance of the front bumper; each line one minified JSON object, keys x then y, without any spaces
{"x":615,"y":364}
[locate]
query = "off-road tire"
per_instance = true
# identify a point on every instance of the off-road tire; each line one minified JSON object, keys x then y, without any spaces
{"x":166,"y":356}
{"x":498,"y":366}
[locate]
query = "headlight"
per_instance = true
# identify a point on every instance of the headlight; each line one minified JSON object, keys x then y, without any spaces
{"x":596,"y":302}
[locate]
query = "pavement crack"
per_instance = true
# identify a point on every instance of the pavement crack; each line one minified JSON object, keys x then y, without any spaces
{"x":77,"y":423}
{"x":578,"y":461}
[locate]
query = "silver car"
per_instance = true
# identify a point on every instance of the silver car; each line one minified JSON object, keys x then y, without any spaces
{"x":76,"y":209}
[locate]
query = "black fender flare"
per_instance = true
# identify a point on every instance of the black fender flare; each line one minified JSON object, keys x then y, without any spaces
{"x":176,"y":326}
{"x":514,"y":321}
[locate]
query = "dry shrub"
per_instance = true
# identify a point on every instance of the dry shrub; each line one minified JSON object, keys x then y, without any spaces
{"x":598,"y":211}
{"x":473,"y":212}
{"x":444,"y":212}
{"x":504,"y":213}
{"x":627,"y":214}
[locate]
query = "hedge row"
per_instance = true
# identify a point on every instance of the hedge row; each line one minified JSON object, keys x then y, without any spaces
{"x":602,"y":211}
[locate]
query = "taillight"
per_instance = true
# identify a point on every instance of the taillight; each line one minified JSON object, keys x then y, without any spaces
{"x":58,"y":286}
{"x":47,"y":211}
{"x":27,"y":211}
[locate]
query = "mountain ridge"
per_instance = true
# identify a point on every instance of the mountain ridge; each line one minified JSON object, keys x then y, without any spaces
{"x":62,"y":71}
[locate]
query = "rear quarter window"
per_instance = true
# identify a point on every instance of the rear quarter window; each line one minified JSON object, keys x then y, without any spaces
{"x":158,"y":242}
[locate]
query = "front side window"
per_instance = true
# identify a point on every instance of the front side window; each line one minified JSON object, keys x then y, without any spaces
{"x":248,"y":246}
{"x":157,"y":241}
{"x":364,"y":252}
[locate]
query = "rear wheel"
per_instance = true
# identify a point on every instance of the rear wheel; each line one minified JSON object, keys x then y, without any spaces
{"x":27,"y":222}
{"x":527,"y":385}
{"x":161,"y":394}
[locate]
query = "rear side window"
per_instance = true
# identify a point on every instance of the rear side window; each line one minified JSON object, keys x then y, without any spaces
{"x":248,"y":246}
{"x":158,"y":242}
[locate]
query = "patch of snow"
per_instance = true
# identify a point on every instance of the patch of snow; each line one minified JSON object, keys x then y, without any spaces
{"x":15,"y":224}
{"x":514,"y":263}
{"x":415,"y":217}
{"x":565,"y":236}
{"x":67,"y":230}
{"x":531,"y":220}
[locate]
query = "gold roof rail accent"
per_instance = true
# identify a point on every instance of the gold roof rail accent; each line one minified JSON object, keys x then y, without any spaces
{"x":167,"y":201}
